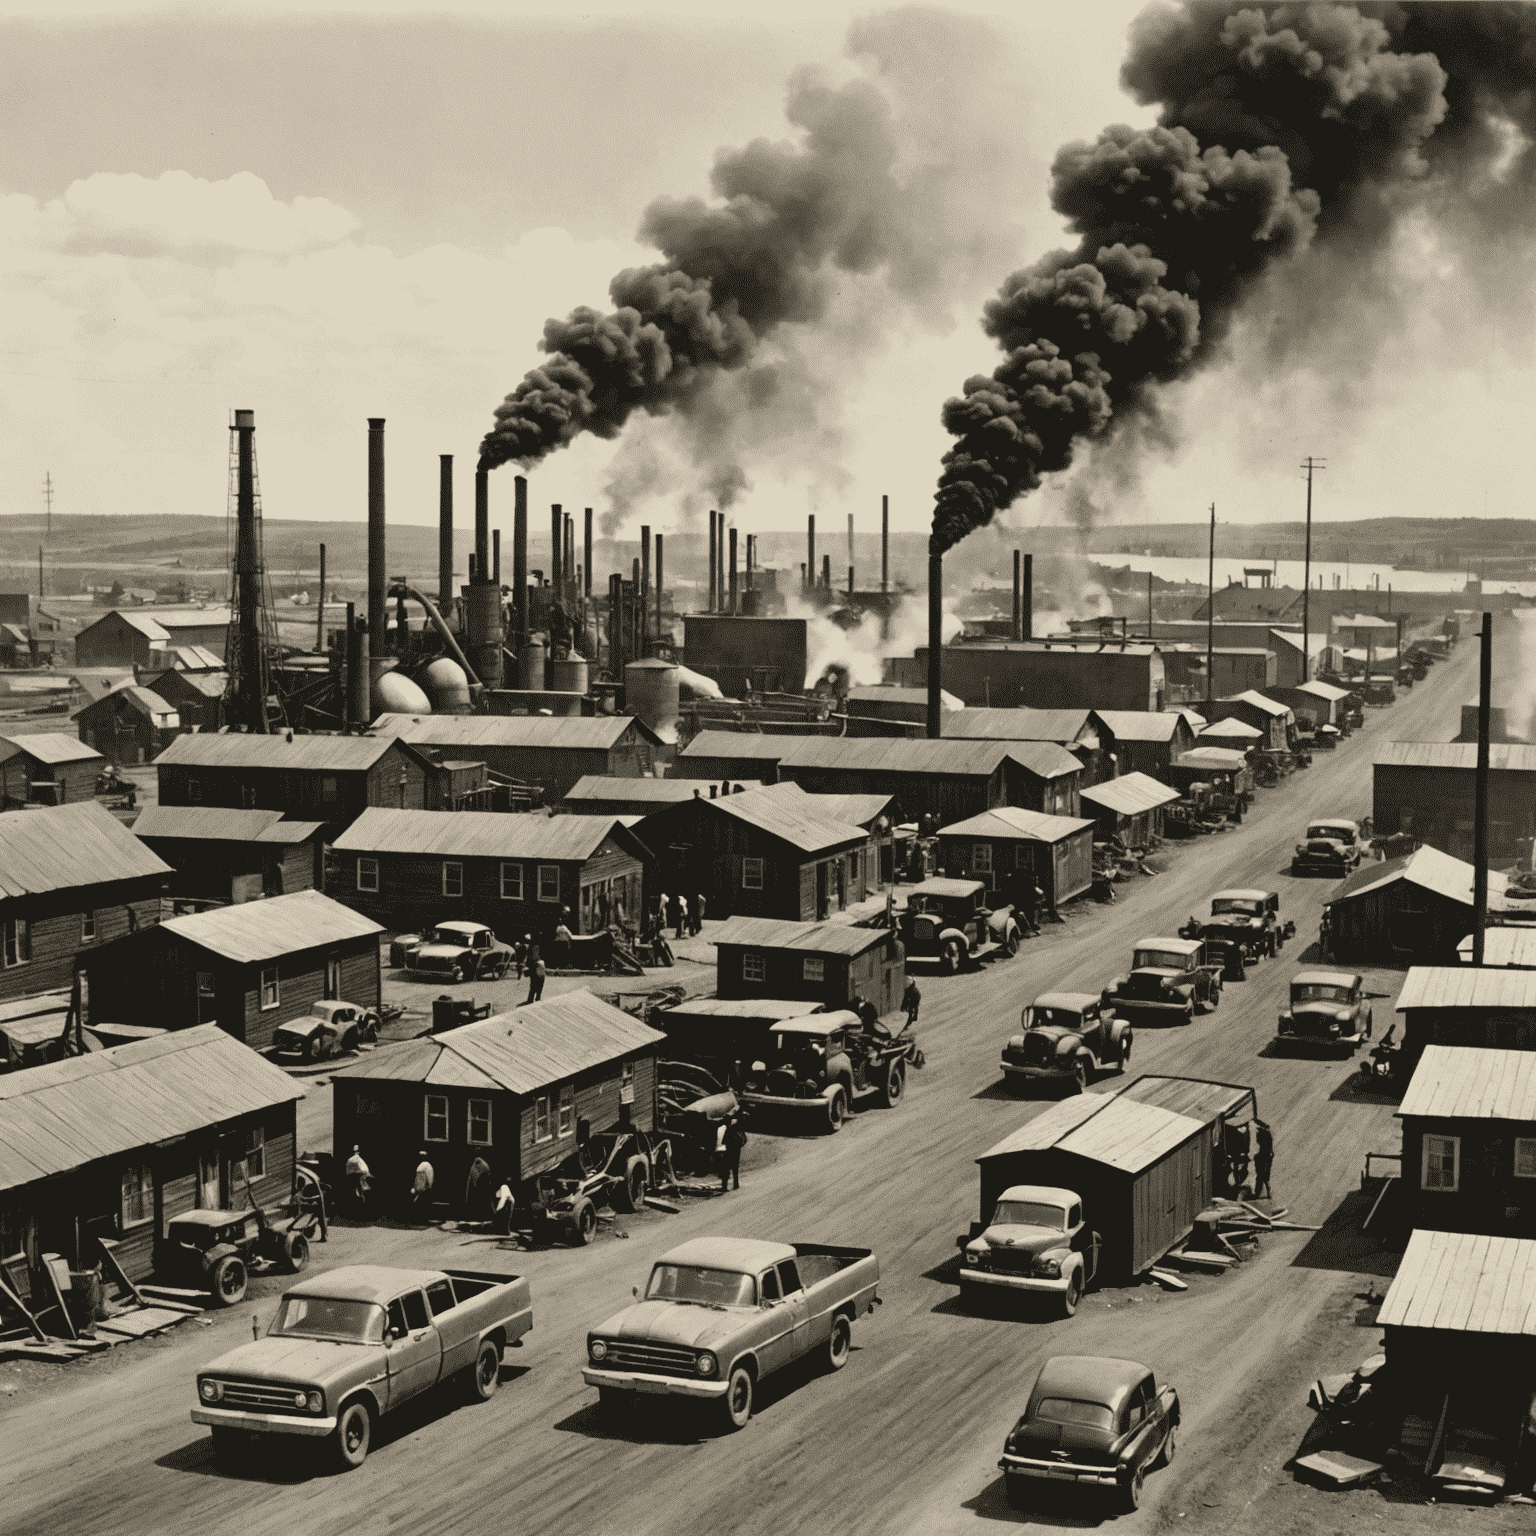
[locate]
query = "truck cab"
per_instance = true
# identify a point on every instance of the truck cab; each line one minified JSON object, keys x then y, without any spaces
{"x":1168,"y":980}
{"x":823,"y":1063}
{"x":1036,"y":1241}
{"x":1328,"y":1009}
{"x":951,"y":922}
{"x":1244,"y":925}
{"x":1066,"y":1037}
{"x":1332,"y":846}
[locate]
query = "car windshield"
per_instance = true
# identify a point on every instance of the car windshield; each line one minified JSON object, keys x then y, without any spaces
{"x":1029,"y":1213}
{"x":448,"y":936}
{"x":1242,"y":905}
{"x":325,"y":1317}
{"x":1338,"y":834}
{"x":195,"y":1235}
{"x":705,"y":1287}
{"x":789,"y":1044}
{"x":1069,"y":1017}
{"x":1319,"y":992}
{"x":1166,"y":959}
{"x":1070,"y":1410}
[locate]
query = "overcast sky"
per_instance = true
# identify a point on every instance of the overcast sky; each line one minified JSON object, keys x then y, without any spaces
{"x":372,"y":214}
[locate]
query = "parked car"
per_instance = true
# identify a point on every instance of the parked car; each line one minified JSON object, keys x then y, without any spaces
{"x":1036,"y":1242}
{"x":950,"y":921}
{"x":354,"y":1344}
{"x":1332,"y":847}
{"x":1067,"y":1036}
{"x":458,"y":951}
{"x":330,"y":1028}
{"x":824,"y":1063}
{"x":1244,"y":926}
{"x":720,"y":1314}
{"x":1168,"y":980}
{"x":216,"y":1251}
{"x":1328,"y":1008}
{"x":1093,"y":1421}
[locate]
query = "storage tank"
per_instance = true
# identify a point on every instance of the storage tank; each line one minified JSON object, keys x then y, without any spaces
{"x":394,"y":693}
{"x":446,"y":686}
{"x":530,"y":663}
{"x":568,"y":674}
{"x":652,"y":694}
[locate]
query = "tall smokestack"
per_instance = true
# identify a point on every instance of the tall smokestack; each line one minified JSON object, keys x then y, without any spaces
{"x":935,"y":644}
{"x":885,"y":543}
{"x":826,"y":572}
{"x":714,"y":596}
{"x":444,"y":531}
{"x":482,"y":525}
{"x":320,"y":606}
{"x":569,"y":563}
{"x":1480,"y":792}
{"x":658,"y":584}
{"x":520,"y":560}
{"x":378,"y":574}
{"x":643,"y":588}
{"x":496,"y":556}
{"x":1027,"y":607}
{"x":720,"y":564}
{"x":810,"y":547}
{"x":851,"y":560}
{"x":556,"y":549}
{"x":586,"y":570}
{"x":247,"y":682}
{"x":1018,"y":594}
{"x":734,"y":604}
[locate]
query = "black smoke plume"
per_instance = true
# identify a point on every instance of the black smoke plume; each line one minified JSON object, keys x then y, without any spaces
{"x":1279,"y":126}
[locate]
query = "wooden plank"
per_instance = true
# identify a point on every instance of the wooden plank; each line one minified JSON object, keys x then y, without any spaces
{"x":109,"y":1254}
{"x":1168,"y":1280}
{"x":23,"y":1311}
{"x":135,"y":1325}
{"x":1386,"y":1184}
{"x":1338,"y":1469}
{"x":52,"y":1264}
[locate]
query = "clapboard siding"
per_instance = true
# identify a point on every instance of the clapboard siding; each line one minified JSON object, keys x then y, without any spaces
{"x":56,"y":924}
{"x":301,"y":983}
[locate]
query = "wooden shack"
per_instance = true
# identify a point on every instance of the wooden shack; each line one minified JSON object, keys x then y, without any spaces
{"x":1313,"y":703}
{"x":196,"y":696}
{"x":1426,"y":789}
{"x":522,"y":1090}
{"x":130,"y":726}
{"x":47,"y":769}
{"x":1462,"y":1005}
{"x":1273,"y":721}
{"x":826,"y":963}
{"x":598,"y":795}
{"x":1418,"y":906}
{"x":1082,"y":735}
{"x":121,"y":638}
{"x":227,"y":856}
{"x":732,"y":756}
{"x":1006,"y":846}
{"x":1130,"y":808}
{"x":1146,"y":742}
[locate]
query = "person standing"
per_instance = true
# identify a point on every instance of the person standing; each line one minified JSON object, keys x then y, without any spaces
{"x":682,"y":916}
{"x":735,"y":1140}
{"x":421,"y":1186}
{"x":359,"y":1179}
{"x":698,"y":914}
{"x":503,"y":1205}
{"x":722,"y":1153}
{"x":562,"y":946}
{"x":520,"y":953}
{"x":477,"y":1190}
{"x":1263,"y":1159}
{"x":535,"y":976}
{"x":661,"y":912}
{"x":911,"y":1001}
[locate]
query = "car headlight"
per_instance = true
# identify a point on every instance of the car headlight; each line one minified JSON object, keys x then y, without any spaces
{"x":315,"y":1402}
{"x":1049,"y":1265}
{"x":972,"y":1256}
{"x":1333,"y":1028}
{"x":597,"y":1349}
{"x":706,"y":1364}
{"x":210,"y":1391}
{"x":300,"y":1399}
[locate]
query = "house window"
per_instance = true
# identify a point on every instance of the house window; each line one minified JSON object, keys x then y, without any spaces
{"x":1442,"y":1156}
{"x":511,"y":882}
{"x":138,"y":1195}
{"x":453,"y":879}
{"x":194,"y":791}
{"x":87,"y":926}
{"x":1525,"y":1157}
{"x":815,"y":968}
{"x":754,"y":966}
{"x":333,"y":977}
{"x":436,"y":1127}
{"x":627,"y":1083}
{"x":269,"y":989}
{"x":480,"y":1122}
{"x":751,"y":874}
{"x":549,"y":882}
{"x":541,"y":1120}
{"x":328,"y":789}
{"x":253,"y":1165}
{"x":368,"y":874}
{"x":981,"y":858}
{"x":567,"y":1110}
{"x":17,"y":942}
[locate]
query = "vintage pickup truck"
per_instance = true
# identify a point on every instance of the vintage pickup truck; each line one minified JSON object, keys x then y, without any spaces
{"x":1328,"y":1009}
{"x":355,"y":1343}
{"x":1168,"y":980}
{"x":1037,"y":1241}
{"x":821,"y":1065}
{"x":721,"y":1313}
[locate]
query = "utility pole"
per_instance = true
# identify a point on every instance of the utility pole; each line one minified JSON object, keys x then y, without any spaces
{"x":1311,"y":465}
{"x":48,"y":503}
{"x":1210,"y":619}
{"x":1480,"y":792}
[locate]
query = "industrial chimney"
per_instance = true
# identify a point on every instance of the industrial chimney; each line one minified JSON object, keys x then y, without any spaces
{"x":520,"y":560}
{"x":445,"y":533}
{"x":247,"y":687}
{"x":935,"y":644}
{"x":378,"y":575}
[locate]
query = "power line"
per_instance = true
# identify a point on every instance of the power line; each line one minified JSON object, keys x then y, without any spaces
{"x":48,"y":502}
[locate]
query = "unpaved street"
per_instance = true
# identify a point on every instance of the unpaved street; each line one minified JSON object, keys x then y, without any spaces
{"x":906,"y":1438}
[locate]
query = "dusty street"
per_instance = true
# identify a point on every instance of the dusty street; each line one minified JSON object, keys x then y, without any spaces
{"x":907,"y":1438}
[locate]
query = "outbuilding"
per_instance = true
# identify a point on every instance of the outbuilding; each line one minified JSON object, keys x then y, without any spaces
{"x":1427,"y":789}
{"x":121,"y":638}
{"x":1460,"y":1005}
{"x":47,"y":769}
{"x":1416,"y":906}
{"x":1234,"y":734}
{"x":1220,"y":766}
{"x":227,"y":856}
{"x":1314,"y":703}
{"x":197,"y":697}
{"x":114,"y":1145}
{"x":1146,"y":742}
{"x":826,"y":963}
{"x":1274,"y":721}
{"x":735,"y":756}
{"x":1082,"y":733}
{"x":599,"y":795}
{"x":523,"y":1090}
{"x":1007,"y":845}
{"x":1130,"y":808}
{"x":131,"y":725}
{"x":516,"y":873}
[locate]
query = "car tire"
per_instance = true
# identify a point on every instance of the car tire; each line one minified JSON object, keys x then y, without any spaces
{"x":1125,"y":1058}
{"x":629,"y":1195}
{"x":485,"y":1374}
{"x":736,"y":1405}
{"x":952,"y":958}
{"x":581,"y":1224}
{"x":1132,"y":1494}
{"x":349,"y":1040}
{"x":1080,"y":1074}
{"x":837,"y":1110}
{"x":1213,"y":1002}
{"x":1165,"y":1456}
{"x":895,"y":1083}
{"x":1017,"y":1490}
{"x":840,"y":1344}
{"x":456,"y":975}
{"x":1189,"y":1015}
{"x":1073,"y":1293}
{"x":1013,"y":942}
{"x":354,"y":1431}
{"x":295,"y":1252}
{"x":228,"y":1281}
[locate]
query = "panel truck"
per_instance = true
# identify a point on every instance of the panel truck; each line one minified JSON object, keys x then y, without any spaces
{"x":355,"y":1343}
{"x":721,"y":1313}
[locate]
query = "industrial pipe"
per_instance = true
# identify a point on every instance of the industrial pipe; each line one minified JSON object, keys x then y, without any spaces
{"x":359,"y":682}
{"x":482,"y":525}
{"x":714,"y":596}
{"x":320,"y":606}
{"x":450,"y":644}
{"x":658,"y":585}
{"x":885,"y":543}
{"x":1017,"y":631}
{"x":810,"y":546}
{"x":1027,"y":608}
{"x":935,"y":643}
{"x":378,"y":575}
{"x":643,"y":591}
{"x":556,"y":550}
{"x":586,"y":577}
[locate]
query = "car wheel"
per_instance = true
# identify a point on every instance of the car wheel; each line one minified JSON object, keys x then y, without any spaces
{"x":349,"y":1040}
{"x":581,"y":1224}
{"x":456,"y":974}
{"x":895,"y":1083}
{"x":229,"y":1281}
{"x":295,"y":1252}
{"x":840,"y":1345}
{"x":354,"y":1429}
{"x":1133,"y":1489}
{"x":1073,"y":1293}
{"x":837,"y":1109}
{"x":486,"y":1376}
{"x":1189,"y":1014}
{"x":737,"y":1402}
{"x":1013,"y":942}
{"x":1166,"y":1454}
{"x":307,"y":1050}
{"x":1080,"y":1073}
{"x":1018,"y":1491}
{"x":952,"y":958}
{"x":629,"y":1196}
{"x":1213,"y":1002}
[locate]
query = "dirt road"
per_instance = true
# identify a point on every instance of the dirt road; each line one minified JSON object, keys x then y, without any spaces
{"x":906,"y":1439}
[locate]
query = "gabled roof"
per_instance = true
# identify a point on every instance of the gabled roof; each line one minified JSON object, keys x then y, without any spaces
{"x":1509,"y":757}
{"x":522,"y":1052}
{"x":210,"y":684}
{"x":891,"y":754}
{"x":1131,"y":794}
{"x":1212,"y":759}
{"x":595,"y":786}
{"x":1462,"y":1282}
{"x":1259,"y":702}
{"x":858,"y":809}
{"x":1014,"y":821}
{"x":785,"y":811}
{"x":64,"y":1115}
{"x":1140,"y":724}
{"x":1510,"y":947}
{"x":276,"y":926}
{"x":582,"y":733}
{"x":191,"y":618}
{"x":1425,"y":867}
{"x":61,"y":847}
{"x":1466,"y":986}
{"x":318,"y":754}
{"x":1106,"y":1128}
{"x":147,"y":702}
{"x":1469,"y":1082}
{"x":215,"y":823}
{"x":736,"y":744}
{"x":51,"y":747}
{"x":1232,"y":728}
{"x":1024,"y":724}
{"x":1324,"y":691}
{"x":476,"y":834}
{"x":812,"y":938}
{"x":145,"y":625}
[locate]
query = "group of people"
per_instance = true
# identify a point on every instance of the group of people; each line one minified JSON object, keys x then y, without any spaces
{"x":485,"y":1199}
{"x":678,"y":913}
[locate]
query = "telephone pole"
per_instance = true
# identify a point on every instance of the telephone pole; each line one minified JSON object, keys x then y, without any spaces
{"x":1210,"y":619}
{"x":48,"y":502}
{"x":1311,"y":465}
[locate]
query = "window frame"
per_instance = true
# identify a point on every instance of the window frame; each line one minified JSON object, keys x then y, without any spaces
{"x":567,"y":1110}
{"x":15,"y":943}
{"x":457,"y":866}
{"x":754,"y":965}
{"x":813,"y":968}
{"x":1426,"y":1152}
{"x":428,"y":1113}
{"x":373,"y":869}
{"x":487,"y":1139}
{"x":88,"y":926}
{"x":981,"y":858}
{"x":627,"y":1082}
{"x":143,"y":1188}
{"x":546,"y":870}
{"x":517,"y":895}
{"x":750,"y":868}
{"x":541,"y":1123}
{"x":255,"y":1152}
{"x":1530,"y":1143}
{"x":194,"y":791}
{"x":261,"y":988}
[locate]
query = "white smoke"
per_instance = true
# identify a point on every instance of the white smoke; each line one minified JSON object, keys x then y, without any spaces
{"x":860,"y":650}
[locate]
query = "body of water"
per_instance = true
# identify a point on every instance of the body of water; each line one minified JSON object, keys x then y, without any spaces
{"x":1331,"y":574}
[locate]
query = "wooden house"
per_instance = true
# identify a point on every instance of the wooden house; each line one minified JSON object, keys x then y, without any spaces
{"x":1313,"y":703}
{"x":247,"y":969}
{"x":71,"y":877}
{"x":1146,"y":742}
{"x":1130,"y":808}
{"x":1006,"y":846}
{"x":1426,"y":788}
{"x":522,"y":1090}
{"x":121,"y":638}
{"x":1463,"y":1005}
{"x":197,"y":697}
{"x":733,"y":757}
{"x":150,"y":1130}
{"x":599,"y":795}
{"x":1418,"y":906}
{"x":1274,"y":721}
{"x":826,"y":963}
{"x":47,"y":769}
{"x":1083,"y":734}
{"x":227,"y":856}
{"x":516,"y":873}
{"x":131,"y":725}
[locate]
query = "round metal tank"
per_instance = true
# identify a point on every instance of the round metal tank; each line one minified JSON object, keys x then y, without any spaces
{"x":394,"y":693}
{"x":530,"y":663}
{"x":651,"y":694}
{"x":446,"y":686}
{"x":568,"y":674}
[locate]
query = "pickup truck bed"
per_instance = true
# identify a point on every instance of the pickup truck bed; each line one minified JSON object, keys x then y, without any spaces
{"x":482,"y":1302}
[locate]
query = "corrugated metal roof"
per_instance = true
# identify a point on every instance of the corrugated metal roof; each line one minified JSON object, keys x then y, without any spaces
{"x":1107,"y":1128}
{"x":1513,"y":947}
{"x":773,"y":1008}
{"x":1223,"y":758}
{"x":1425,"y":867}
{"x":890,"y":754}
{"x":813,"y":938}
{"x":278,"y":925}
{"x":522,"y":1052}
{"x":210,"y":684}
{"x":52,"y":747}
{"x":1259,"y":702}
{"x":147,"y":702}
{"x":786,"y":812}
{"x":475,"y":834}
{"x":859,"y":809}
{"x":1014,"y":821}
{"x":1467,"y":1082}
{"x":593,"y":786}
{"x":1463,"y":1282}
{"x":583,"y":733}
{"x":63,"y":1116}
{"x":195,"y":658}
{"x":319,"y":754}
{"x":1232,"y":728}
{"x":220,"y":824}
{"x":1139,"y":724}
{"x":1464,"y":986}
{"x":1131,"y":794}
{"x":1198,"y":1097}
{"x":1509,"y":757}
{"x":887,"y":693}
{"x":191,"y":618}
{"x":145,"y":625}
{"x":60,"y":847}
{"x":736,"y":744}
{"x":1022,"y":724}
{"x":1363,"y":621}
{"x":1323,"y":691}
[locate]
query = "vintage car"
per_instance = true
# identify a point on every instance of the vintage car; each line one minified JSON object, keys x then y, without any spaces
{"x":1168,"y":980}
{"x":721,"y":1313}
{"x":1333,"y":847}
{"x":1067,"y":1036}
{"x":330,"y":1028}
{"x":216,"y":1251}
{"x":1094,"y":1421}
{"x":823,"y":1063}
{"x":1328,"y":1008}
{"x":355,"y":1343}
{"x":459,"y":951}
{"x":1036,"y":1242}
{"x":1244,"y":926}
{"x":950,"y":921}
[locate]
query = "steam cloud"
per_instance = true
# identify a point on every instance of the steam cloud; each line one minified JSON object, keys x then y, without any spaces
{"x":1319,"y":123}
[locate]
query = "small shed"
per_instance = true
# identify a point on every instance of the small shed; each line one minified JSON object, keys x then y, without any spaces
{"x":1205,"y":765}
{"x":1313,"y":703}
{"x":1130,"y":808}
{"x":1460,"y":1005}
{"x":738,"y":756}
{"x":227,"y":856}
{"x":131,"y":725}
{"x":1274,"y":721}
{"x":1506,"y":948}
{"x":120,"y":638}
{"x":1234,"y":734}
{"x":826,"y":963}
{"x":1427,"y":789}
{"x":1006,"y":845}
{"x":47,"y":769}
{"x":598,"y":795}
{"x":1146,"y":742}
{"x":196,"y":696}
{"x":1419,"y":905}
{"x":1146,"y":1161}
{"x":522,"y":1090}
